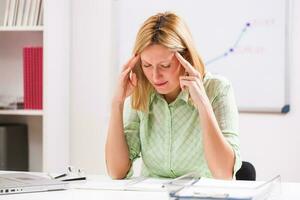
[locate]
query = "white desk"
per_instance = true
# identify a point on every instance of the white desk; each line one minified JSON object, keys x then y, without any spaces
{"x":290,"y":191}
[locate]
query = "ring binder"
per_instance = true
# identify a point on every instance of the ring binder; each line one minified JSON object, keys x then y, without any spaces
{"x":229,"y":190}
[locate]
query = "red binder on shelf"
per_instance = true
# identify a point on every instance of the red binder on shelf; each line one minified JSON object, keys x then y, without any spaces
{"x":33,"y":77}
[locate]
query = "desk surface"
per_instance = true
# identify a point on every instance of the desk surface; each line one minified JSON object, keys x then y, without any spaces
{"x":289,"y":191}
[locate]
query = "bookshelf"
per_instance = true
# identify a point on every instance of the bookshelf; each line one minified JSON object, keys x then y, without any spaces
{"x":48,"y":129}
{"x":22,"y":28}
{"x":22,"y":112}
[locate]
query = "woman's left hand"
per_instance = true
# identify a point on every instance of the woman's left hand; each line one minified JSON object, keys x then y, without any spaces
{"x":192,"y":81}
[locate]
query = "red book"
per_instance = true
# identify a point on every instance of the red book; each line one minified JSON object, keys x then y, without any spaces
{"x":25,"y":77}
{"x":30,"y":77}
{"x":32,"y":73}
{"x":35,"y":78}
{"x":41,"y":78}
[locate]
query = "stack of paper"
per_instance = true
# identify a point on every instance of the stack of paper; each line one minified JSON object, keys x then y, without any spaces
{"x":192,"y":188}
{"x":218,"y":189}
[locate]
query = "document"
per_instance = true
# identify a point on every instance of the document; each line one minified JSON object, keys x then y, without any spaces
{"x":149,"y":184}
{"x":106,"y":184}
{"x":134,"y":184}
{"x":138,"y":183}
{"x":236,"y":190}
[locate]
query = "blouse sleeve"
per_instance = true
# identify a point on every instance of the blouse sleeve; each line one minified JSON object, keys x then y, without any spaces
{"x":226,"y":113}
{"x":131,"y":130}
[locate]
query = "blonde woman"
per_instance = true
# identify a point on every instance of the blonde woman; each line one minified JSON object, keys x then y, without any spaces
{"x":179,"y":118}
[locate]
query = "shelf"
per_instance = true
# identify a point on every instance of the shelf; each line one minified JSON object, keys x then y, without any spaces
{"x":46,"y":153}
{"x":22,"y":112}
{"x":21,"y":28}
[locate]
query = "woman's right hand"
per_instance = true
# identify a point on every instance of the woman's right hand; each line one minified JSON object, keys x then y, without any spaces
{"x":127,"y":81}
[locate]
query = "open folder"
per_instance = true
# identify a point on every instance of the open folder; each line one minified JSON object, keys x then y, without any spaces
{"x":231,"y":190}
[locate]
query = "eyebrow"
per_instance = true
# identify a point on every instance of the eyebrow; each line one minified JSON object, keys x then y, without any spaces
{"x":158,"y":63}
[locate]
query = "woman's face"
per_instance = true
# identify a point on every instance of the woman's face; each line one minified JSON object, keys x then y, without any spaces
{"x":162,"y":70}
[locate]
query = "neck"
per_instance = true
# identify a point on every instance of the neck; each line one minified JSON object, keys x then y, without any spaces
{"x":172,"y":95}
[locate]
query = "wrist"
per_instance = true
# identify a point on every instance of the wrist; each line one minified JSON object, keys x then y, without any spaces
{"x":203,"y":104}
{"x":117,"y":104}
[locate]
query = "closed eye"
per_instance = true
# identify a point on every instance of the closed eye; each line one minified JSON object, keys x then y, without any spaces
{"x":146,"y":66}
{"x":165,"y":66}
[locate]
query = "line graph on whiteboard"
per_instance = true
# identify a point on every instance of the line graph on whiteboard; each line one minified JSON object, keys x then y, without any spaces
{"x":232,"y":48}
{"x":235,"y":48}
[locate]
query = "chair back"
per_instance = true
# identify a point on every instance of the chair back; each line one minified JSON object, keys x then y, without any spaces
{"x":246,"y":172}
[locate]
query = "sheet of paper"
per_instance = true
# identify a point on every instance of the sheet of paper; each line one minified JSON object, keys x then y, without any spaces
{"x":212,"y":188}
{"x":140,"y":183}
{"x":227,"y":184}
{"x":149,"y":184}
{"x":101,"y":184}
{"x":215,"y":192}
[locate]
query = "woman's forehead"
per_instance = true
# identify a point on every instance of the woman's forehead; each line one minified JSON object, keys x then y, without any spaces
{"x":157,"y":54}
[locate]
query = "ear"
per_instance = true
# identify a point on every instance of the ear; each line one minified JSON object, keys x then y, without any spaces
{"x":137,"y":67}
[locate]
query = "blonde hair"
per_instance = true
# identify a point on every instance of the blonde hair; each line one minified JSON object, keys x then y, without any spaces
{"x":169,"y":30}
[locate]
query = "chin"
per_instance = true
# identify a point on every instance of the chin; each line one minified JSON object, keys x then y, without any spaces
{"x":162,"y":91}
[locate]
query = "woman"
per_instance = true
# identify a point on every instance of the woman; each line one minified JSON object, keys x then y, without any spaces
{"x":179,"y":117}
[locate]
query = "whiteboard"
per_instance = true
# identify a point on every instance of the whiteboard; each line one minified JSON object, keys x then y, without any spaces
{"x":244,"y":40}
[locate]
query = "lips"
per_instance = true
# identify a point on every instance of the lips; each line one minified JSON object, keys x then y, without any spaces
{"x":160,"y":84}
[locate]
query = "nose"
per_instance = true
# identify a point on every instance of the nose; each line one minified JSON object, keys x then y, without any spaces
{"x":156,"y":74}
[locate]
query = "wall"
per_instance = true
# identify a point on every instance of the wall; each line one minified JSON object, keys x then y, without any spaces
{"x":90,"y":83}
{"x":56,"y":94}
{"x":270,"y":142}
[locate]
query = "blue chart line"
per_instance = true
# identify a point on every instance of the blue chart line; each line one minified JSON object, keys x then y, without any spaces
{"x":230,"y":50}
